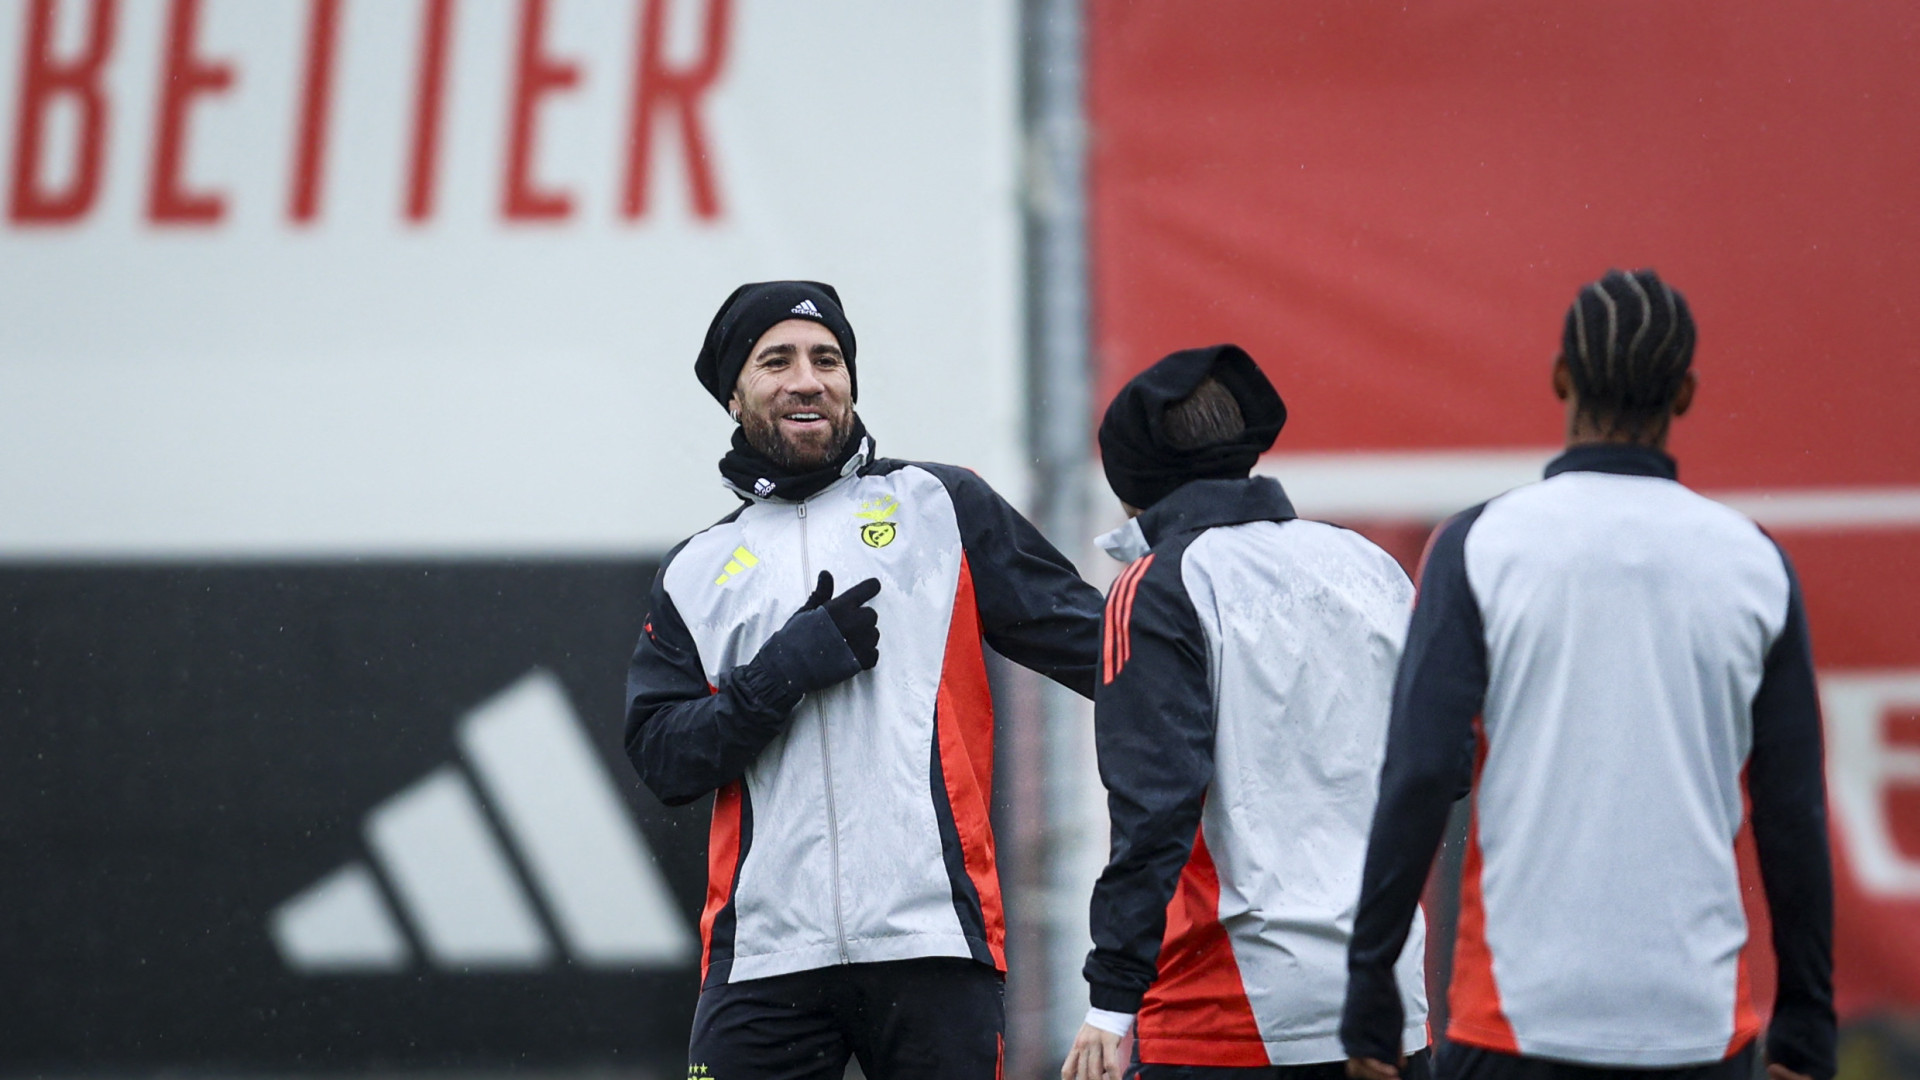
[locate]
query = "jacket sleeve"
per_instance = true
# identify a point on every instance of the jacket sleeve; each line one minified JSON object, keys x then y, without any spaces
{"x":1439,"y":690}
{"x":1786,"y":782}
{"x":684,"y":736}
{"x":1034,"y":608}
{"x":1154,"y":733}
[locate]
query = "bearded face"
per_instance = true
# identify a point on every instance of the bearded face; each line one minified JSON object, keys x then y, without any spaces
{"x":798,"y":433}
{"x":794,"y":399}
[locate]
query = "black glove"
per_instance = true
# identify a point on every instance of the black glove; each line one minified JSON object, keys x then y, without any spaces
{"x":858,"y":624}
{"x":826,"y":642}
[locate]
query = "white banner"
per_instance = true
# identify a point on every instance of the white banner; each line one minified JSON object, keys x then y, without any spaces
{"x":286,"y":278}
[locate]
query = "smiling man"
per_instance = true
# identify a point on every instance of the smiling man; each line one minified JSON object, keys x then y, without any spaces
{"x":853,"y":906}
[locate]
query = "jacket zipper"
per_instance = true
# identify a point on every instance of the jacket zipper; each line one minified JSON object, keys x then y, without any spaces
{"x":826,"y":763}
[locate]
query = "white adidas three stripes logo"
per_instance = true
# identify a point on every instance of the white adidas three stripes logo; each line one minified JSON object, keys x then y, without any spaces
{"x":805,"y":307}
{"x":455,"y":883}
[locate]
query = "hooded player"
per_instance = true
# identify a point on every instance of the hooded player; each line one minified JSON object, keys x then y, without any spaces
{"x":1240,"y":720}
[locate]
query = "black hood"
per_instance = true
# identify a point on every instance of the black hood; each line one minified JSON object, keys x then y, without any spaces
{"x":1143,"y":467}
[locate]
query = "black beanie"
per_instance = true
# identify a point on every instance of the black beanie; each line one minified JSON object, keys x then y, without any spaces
{"x":752,"y":310}
{"x":1143,"y":467}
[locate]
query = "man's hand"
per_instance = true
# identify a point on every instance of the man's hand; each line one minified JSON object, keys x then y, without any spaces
{"x":858,"y":625}
{"x":829,"y":640}
{"x":1096,"y":1055}
{"x":1781,"y":1072}
{"x":1361,"y":1068}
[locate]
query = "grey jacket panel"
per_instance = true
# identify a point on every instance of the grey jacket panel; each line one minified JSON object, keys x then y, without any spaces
{"x":1304,"y":624}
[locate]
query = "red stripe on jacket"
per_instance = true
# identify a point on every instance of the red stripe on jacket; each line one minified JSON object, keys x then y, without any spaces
{"x":1117,"y":647}
{"x":1197,"y":1012}
{"x":723,"y":862}
{"x":1478,"y":1017}
{"x":1746,"y":1011}
{"x":964,"y":712}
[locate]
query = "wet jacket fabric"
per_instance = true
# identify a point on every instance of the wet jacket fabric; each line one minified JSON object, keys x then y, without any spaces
{"x":1240,"y":723}
{"x":1615,"y":666}
{"x":853,"y":828}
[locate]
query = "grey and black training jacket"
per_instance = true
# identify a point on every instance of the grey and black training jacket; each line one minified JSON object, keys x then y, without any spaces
{"x":1240,"y":721}
{"x":1617,"y":667}
{"x":854,"y":828}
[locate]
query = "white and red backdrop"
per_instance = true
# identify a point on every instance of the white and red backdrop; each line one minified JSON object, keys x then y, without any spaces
{"x":346,"y":408}
{"x":379,"y":276}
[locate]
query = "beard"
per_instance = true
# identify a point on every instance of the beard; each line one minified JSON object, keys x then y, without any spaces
{"x":762,"y":431}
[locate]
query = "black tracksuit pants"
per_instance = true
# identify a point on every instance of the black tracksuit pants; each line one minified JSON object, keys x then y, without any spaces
{"x":1462,"y":1062}
{"x":1416,"y":1068}
{"x":932,"y":1019}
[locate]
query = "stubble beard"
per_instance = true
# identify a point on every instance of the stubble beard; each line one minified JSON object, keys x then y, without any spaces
{"x":762,"y":431}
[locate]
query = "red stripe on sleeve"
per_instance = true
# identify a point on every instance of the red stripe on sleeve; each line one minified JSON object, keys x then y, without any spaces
{"x":1126,"y":612}
{"x":1120,"y":616}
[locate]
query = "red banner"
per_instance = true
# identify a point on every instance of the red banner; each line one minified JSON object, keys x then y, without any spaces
{"x":1390,"y":207}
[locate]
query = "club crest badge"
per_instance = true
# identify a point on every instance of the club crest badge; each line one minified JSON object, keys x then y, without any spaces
{"x":878,"y":531}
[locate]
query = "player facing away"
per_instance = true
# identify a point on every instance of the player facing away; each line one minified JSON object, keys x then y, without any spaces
{"x":853,"y":906}
{"x":1247,"y":664}
{"x":1615,"y":667}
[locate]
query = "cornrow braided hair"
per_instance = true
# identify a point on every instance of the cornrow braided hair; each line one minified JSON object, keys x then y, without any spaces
{"x":1628,"y":344}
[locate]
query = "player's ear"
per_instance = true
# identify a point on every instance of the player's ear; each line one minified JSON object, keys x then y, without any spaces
{"x":733,"y":406}
{"x":1682,"y":401}
{"x":1562,"y":378}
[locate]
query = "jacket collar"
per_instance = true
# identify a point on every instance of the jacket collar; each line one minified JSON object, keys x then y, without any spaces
{"x":1623,"y":459}
{"x":1195,"y":505}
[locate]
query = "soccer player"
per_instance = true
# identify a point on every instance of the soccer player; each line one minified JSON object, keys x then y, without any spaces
{"x":1240,"y":722}
{"x":1615,"y":666}
{"x":853,"y":907}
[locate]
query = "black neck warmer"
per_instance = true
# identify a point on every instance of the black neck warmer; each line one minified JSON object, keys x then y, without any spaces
{"x":1143,"y":467}
{"x":749,"y":470}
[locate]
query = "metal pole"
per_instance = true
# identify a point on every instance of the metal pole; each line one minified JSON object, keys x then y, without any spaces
{"x":1059,"y":432}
